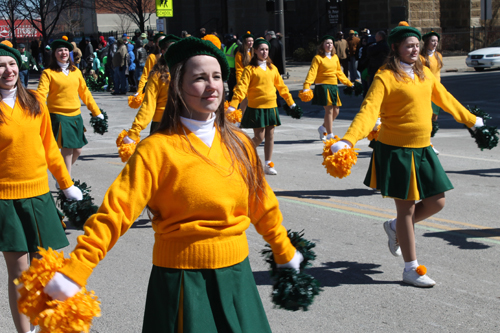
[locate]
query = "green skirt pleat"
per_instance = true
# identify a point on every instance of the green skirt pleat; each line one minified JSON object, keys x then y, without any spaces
{"x":69,"y":132}
{"x":435,"y":109}
{"x":26,"y":224}
{"x":259,"y":118}
{"x":323,"y":91}
{"x":214,"y":300}
{"x":393,"y":171}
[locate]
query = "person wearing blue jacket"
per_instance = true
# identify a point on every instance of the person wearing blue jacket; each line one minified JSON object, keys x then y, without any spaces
{"x":131,"y":68}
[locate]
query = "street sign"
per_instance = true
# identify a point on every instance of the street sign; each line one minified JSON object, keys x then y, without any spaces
{"x":164,"y":8}
{"x":333,"y":13}
{"x":159,"y":25}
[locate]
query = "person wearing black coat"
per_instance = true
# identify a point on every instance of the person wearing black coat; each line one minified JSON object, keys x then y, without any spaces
{"x":377,"y":55}
{"x":275,"y":51}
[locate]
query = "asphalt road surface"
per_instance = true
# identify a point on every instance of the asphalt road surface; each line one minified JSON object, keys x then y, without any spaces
{"x":362,"y":288}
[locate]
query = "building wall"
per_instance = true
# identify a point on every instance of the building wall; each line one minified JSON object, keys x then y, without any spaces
{"x":110,"y":22}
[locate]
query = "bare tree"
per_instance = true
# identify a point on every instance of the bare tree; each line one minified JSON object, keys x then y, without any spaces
{"x":44,"y":15}
{"x":138,"y":11}
{"x":72,"y":20}
{"x":10,"y":12}
{"x":123,"y":22}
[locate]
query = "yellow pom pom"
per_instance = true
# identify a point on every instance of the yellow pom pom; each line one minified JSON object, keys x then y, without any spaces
{"x":72,"y":315}
{"x":403,"y":23}
{"x":248,"y":32}
{"x":120,"y":137}
{"x":271,"y":164}
{"x":214,"y":39}
{"x":8,"y":43}
{"x":234,"y":116}
{"x":421,"y":270}
{"x":65,"y":38}
{"x":374,"y":134}
{"x":226,"y":105}
{"x":339,"y":164}
{"x":126,"y":150}
{"x":135,"y":101}
{"x":306,"y":96}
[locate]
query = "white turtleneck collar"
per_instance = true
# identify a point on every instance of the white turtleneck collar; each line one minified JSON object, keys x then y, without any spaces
{"x":204,"y":130}
{"x":408,"y":69}
{"x":262,"y":64}
{"x":9,"y":96}
{"x":64,"y":67}
{"x":329,"y":55}
{"x":430,"y":52}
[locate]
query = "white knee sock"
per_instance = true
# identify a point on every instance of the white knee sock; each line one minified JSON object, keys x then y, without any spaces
{"x":393,"y":224}
{"x":411,"y":265}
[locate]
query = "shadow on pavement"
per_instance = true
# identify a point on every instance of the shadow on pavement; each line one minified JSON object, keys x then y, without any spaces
{"x":495,"y":172}
{"x":294,"y":142}
{"x":142,"y":223}
{"x":95,"y":156}
{"x":460,"y":237}
{"x":334,"y":274}
{"x":326,"y":194}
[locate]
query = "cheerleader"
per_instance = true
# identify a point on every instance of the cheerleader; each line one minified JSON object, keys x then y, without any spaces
{"x":259,"y":82}
{"x":65,"y":85}
{"x":242,"y":59}
{"x":325,"y":72}
{"x":201,"y":280}
{"x":431,"y":58}
{"x":403,"y":165}
{"x":155,"y":97}
{"x":153,"y":59}
{"x":28,"y":215}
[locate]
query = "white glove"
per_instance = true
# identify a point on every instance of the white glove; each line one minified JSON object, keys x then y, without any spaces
{"x":479,"y":123}
{"x":100,"y":116}
{"x":294,"y":263}
{"x":305,"y":90}
{"x":73,"y":193}
{"x":342,"y":144}
{"x":61,"y":287}
{"x":230,"y":109}
{"x":136,"y":94}
{"x":292,"y":106}
{"x":35,"y":68}
{"x":127,"y":140}
{"x":378,"y":122}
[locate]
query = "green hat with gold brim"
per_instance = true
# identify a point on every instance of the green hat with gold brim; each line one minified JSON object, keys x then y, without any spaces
{"x":260,"y":41}
{"x":168,"y":39}
{"x":158,"y":36}
{"x":401,"y":32}
{"x":63,"y":42}
{"x":246,"y":35}
{"x":10,"y":52}
{"x":430,"y":34}
{"x":325,"y":37}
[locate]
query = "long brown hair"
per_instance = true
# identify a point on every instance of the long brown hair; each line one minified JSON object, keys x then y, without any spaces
{"x":28,"y":100}
{"x":55,"y":66}
{"x":238,"y":144}
{"x":255,"y":61}
{"x":393,"y":63}
{"x":244,"y":49}
{"x":423,"y":53}
{"x":321,"y":49}
{"x":161,"y":67}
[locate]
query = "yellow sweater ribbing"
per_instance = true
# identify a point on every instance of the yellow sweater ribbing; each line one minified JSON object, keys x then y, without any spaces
{"x":152,"y":107}
{"x":27,"y":149}
{"x":260,"y":87}
{"x":63,"y":92}
{"x":326,"y":71}
{"x":433,"y":62}
{"x":405,"y":110}
{"x":194,"y":229}
{"x":148,"y":67}
{"x":238,"y":65}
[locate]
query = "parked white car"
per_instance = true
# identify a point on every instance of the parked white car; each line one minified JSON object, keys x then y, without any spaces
{"x":484,"y":58}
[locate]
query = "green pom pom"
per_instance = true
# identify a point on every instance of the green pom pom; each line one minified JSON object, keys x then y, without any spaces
{"x":291,"y":290}
{"x":96,"y":84}
{"x":295,"y":112}
{"x":77,"y":212}
{"x":100,"y":125}
{"x":486,"y":137}
{"x":435,"y":128}
{"x":479,"y":113}
{"x":357,"y":89}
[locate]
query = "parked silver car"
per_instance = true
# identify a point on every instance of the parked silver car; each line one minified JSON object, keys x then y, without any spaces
{"x":484,"y":58}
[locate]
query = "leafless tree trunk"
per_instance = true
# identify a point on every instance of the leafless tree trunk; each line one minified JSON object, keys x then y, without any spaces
{"x":123,"y":22}
{"x":138,"y":11}
{"x":10,"y":12}
{"x":72,"y":20}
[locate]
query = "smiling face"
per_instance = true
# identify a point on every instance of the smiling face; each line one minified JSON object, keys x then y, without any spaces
{"x":62,"y":54}
{"x":262,"y":52}
{"x":9,"y":72}
{"x":408,"y":50}
{"x":249,"y":42}
{"x":328,"y":45}
{"x":202,"y":87}
{"x":433,"y":43}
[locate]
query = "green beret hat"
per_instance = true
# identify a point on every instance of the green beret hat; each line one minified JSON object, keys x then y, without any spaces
{"x":168,"y":39}
{"x":325,"y":37}
{"x":430,"y":34}
{"x":402,"y":32}
{"x":11,"y":52}
{"x":61,"y":43}
{"x":193,"y":46}
{"x":248,"y":34}
{"x":158,"y":35}
{"x":259,"y":41}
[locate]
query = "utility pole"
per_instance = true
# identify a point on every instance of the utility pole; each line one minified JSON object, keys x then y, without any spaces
{"x":279,"y":13}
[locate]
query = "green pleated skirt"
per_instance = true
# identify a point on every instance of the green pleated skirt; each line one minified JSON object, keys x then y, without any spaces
{"x":435,"y":109}
{"x":259,"y":118}
{"x":326,"y":94}
{"x":204,"y":301}
{"x":406,"y":173}
{"x":26,"y":224}
{"x":68,"y":131}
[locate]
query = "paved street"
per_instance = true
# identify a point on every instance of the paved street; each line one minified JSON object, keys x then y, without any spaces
{"x":361,"y":279}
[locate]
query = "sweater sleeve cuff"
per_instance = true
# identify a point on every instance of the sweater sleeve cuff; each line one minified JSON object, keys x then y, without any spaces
{"x":133,"y":134}
{"x":286,"y":256}
{"x":234,"y":103}
{"x":306,"y":86}
{"x":352,"y":140}
{"x":77,"y":272}
{"x":65,"y":184}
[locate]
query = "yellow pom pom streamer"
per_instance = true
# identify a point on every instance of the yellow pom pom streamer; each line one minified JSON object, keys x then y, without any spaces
{"x":135,"y":101}
{"x":72,"y":315}
{"x":339,"y":164}
{"x":234,"y":116}
{"x":421,"y":270}
{"x":403,"y":23}
{"x":65,"y":38}
{"x":214,"y":39}
{"x":125,"y":150}
{"x":306,"y":96}
{"x":374,"y":134}
{"x":271,"y":164}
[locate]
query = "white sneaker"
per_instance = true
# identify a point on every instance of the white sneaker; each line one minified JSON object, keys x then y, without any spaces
{"x":269,"y":170}
{"x":322,"y":133}
{"x":412,"y":277}
{"x":393,"y":242}
{"x":435,"y":150}
{"x":329,"y":136}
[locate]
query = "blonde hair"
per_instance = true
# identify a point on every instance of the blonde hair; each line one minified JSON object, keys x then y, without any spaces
{"x":423,"y":53}
{"x":393,"y":63}
{"x":321,"y":48}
